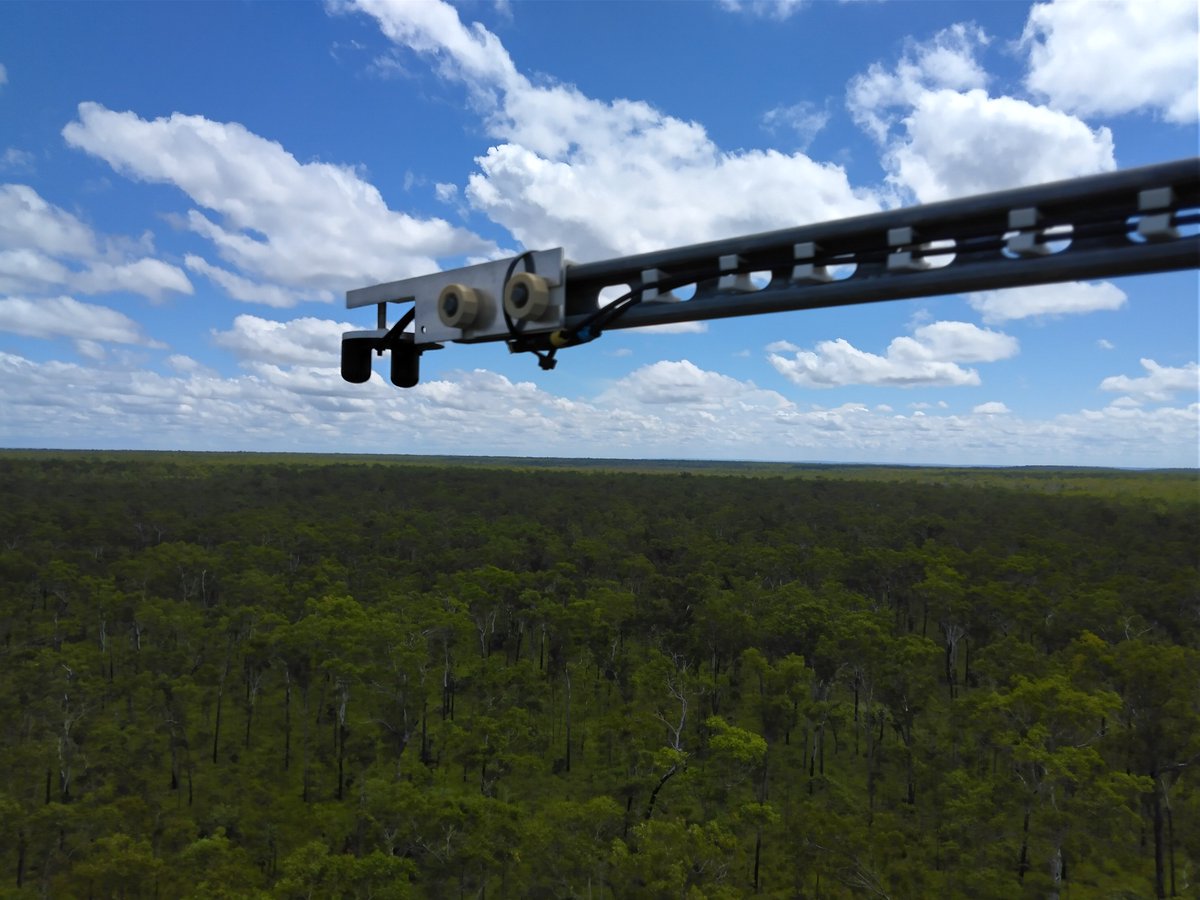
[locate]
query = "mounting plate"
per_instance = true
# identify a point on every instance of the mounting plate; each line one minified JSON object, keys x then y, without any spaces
{"x":487,"y":280}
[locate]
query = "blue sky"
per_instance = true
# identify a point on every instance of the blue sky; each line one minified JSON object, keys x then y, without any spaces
{"x":188,"y":189}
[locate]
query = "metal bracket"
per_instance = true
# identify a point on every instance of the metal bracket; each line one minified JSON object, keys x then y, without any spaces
{"x":487,"y":281}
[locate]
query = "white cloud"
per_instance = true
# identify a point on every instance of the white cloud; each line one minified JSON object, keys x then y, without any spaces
{"x":3,"y":75}
{"x":1126,"y":403}
{"x":1115,"y":57}
{"x":991,"y":408}
{"x":14,"y":160}
{"x":149,"y":277}
{"x":781,"y":347}
{"x":877,"y":98}
{"x":54,"y":317}
{"x":609,"y":178}
{"x":474,"y":54}
{"x":91,"y":349}
{"x":778,"y":10}
{"x":805,"y":119}
{"x":962,"y":144}
{"x":280,"y":220}
{"x":959,"y":341}
{"x":1047,"y":300}
{"x":1105,"y":344}
{"x":930,"y":357}
{"x":270,"y":406}
{"x":28,"y":222}
{"x":683,"y":382}
{"x":306,"y":341}
{"x":671,"y":328}
{"x":631,"y":179}
{"x":248,"y":291}
{"x":26,"y":270}
{"x":943,"y":136}
{"x":185,"y":364}
{"x":39,"y":242}
{"x":1159,"y":384}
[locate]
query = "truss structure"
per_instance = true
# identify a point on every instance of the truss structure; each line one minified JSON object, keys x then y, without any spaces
{"x":1131,"y":222}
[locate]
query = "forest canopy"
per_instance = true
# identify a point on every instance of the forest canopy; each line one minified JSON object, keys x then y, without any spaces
{"x":243,"y":676}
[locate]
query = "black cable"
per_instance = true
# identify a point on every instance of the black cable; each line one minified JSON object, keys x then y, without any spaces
{"x":517,"y":343}
{"x":514,"y":333}
{"x":393,"y":336}
{"x":594,"y":325}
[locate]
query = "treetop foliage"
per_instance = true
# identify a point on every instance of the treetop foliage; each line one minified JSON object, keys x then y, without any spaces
{"x":237,"y":676}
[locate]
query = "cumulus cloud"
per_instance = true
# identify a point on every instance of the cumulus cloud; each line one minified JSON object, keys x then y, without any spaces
{"x":991,"y":408}
{"x":90,"y":349}
{"x":804,"y":119}
{"x":271,"y":405}
{"x":26,"y":270}
{"x":1105,"y":344}
{"x":960,"y":144}
{"x":55,"y":317}
{"x":249,"y":291}
{"x":779,"y":10}
{"x":1069,"y":298}
{"x":310,"y":227}
{"x":683,"y":382}
{"x":1159,"y":384}
{"x":605,"y":178}
{"x":932,"y":356}
{"x":150,"y":277}
{"x":1115,"y":57}
{"x":306,"y":341}
{"x":29,"y":222}
{"x":877,"y":98}
{"x":184,"y":364}
{"x":944,"y":136}
{"x":41,"y":245}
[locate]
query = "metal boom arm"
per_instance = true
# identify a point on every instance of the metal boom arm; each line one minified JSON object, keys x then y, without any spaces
{"x":1132,"y":222}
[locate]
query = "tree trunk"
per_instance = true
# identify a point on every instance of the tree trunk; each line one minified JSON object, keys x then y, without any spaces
{"x":658,"y":787}
{"x":220,"y":698}
{"x":1171,"y":848}
{"x":966,"y":662}
{"x":1023,"y":862}
{"x":1057,"y":867}
{"x":567,"y":678}
{"x":341,"y":757}
{"x":21,"y":846}
{"x":425,"y":730}
{"x":1159,"y":887}
{"x":217,"y":725}
{"x":757,"y":856}
{"x":287,"y":719}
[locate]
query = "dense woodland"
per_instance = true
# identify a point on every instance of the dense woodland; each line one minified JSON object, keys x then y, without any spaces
{"x":240,"y":676}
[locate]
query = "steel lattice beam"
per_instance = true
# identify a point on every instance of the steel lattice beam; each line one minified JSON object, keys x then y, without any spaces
{"x":1132,"y":222}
